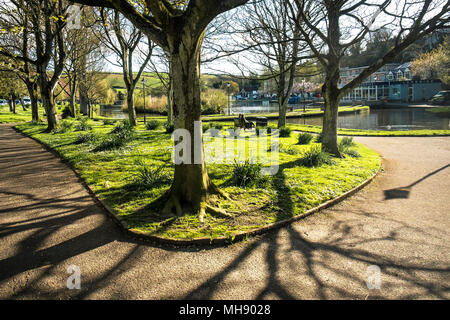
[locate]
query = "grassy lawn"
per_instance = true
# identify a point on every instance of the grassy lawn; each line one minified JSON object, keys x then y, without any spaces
{"x":113,"y":175}
{"x":440,"y":111}
{"x":311,"y":112}
{"x":20,"y":116}
{"x":358,"y":132}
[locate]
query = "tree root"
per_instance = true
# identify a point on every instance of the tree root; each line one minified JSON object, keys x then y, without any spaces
{"x":170,"y":204}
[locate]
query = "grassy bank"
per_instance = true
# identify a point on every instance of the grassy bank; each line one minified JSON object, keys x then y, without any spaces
{"x":116,"y":176}
{"x":311,"y":112}
{"x":369,"y":133}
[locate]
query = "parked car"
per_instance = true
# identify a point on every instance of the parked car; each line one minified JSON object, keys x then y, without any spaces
{"x":442,"y":97}
{"x":3,"y":102}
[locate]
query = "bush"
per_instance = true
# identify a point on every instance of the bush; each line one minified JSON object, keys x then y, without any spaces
{"x":150,"y":176}
{"x":86,"y":138}
{"x":152,"y":125}
{"x":305,"y":138}
{"x":66,"y":113}
{"x":246,"y":174}
{"x":83,"y":124}
{"x":285,"y":132}
{"x":170,"y":127}
{"x":315,"y":157}
{"x":63,"y":127}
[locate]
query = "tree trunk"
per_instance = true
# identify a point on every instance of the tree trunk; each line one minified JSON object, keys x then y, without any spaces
{"x":49,"y":105}
{"x":130,"y":105}
{"x":33,"y":92}
{"x":23,"y":104}
{"x":282,"y":103}
{"x":330,"y":119}
{"x":170,"y":96}
{"x":191,"y":184}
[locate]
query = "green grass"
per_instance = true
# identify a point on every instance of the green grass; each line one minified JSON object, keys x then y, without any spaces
{"x":440,"y":111}
{"x":311,"y":112}
{"x":20,"y":116}
{"x":290,"y":192}
{"x":369,"y":133}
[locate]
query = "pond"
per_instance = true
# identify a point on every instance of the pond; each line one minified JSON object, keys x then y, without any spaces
{"x":375,"y":119}
{"x":385,"y":119}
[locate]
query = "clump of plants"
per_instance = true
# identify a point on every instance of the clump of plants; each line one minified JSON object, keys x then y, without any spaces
{"x":148,"y":177}
{"x":315,"y":157}
{"x":319,"y":137}
{"x":288,"y":149}
{"x":152,"y":125}
{"x":89,"y":137}
{"x":122,"y":133}
{"x":345,"y":147}
{"x":170,"y":127}
{"x":63,"y":127}
{"x":304,"y":138}
{"x":83,"y":124}
{"x":285,"y":132}
{"x":247,"y":174}
{"x":108,"y":122}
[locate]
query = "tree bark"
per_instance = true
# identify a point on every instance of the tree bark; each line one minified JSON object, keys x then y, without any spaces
{"x":130,"y":105}
{"x":191,"y":184}
{"x":49,"y":106}
{"x":330,"y":118}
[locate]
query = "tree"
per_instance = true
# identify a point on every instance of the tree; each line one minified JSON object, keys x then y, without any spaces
{"x":178,"y":27}
{"x":435,"y":63}
{"x":45,"y":20}
{"x":272,"y":38}
{"x":331,"y":27}
{"x":16,"y":42}
{"x":123,"y":39}
{"x":12,"y":88}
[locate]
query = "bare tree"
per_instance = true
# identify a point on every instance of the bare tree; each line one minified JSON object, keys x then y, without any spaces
{"x":179,"y":27}
{"x":123,"y":39}
{"x":332,"y":26}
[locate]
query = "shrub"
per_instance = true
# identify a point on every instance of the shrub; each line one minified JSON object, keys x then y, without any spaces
{"x":66,"y":113}
{"x":305,"y":138}
{"x":170,"y":127}
{"x":152,"y":125}
{"x":83,"y":124}
{"x":206,"y":126}
{"x":63,"y":127}
{"x":246,"y":174}
{"x":314,"y":157}
{"x":285,"y":132}
{"x":86,"y":138}
{"x":150,"y":176}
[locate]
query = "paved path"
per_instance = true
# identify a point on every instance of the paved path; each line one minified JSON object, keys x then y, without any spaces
{"x":49,"y":222}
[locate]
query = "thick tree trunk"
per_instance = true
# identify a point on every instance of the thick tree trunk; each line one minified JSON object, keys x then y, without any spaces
{"x":49,"y":105}
{"x":33,"y":92}
{"x":23,"y":104}
{"x":130,"y":105}
{"x":330,"y":119}
{"x":191,"y":184}
{"x":282,"y":103}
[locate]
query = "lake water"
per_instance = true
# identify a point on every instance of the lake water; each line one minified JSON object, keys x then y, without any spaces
{"x":374,"y":119}
{"x":385,"y":119}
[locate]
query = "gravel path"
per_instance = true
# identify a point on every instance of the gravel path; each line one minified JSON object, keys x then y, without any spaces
{"x":400,"y":223}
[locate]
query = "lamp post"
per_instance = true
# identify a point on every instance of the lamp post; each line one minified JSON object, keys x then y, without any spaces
{"x":228,"y":92}
{"x":143,"y":92}
{"x":303,"y":94}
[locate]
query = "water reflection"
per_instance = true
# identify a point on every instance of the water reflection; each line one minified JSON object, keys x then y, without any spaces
{"x":375,"y":119}
{"x":385,"y":119}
